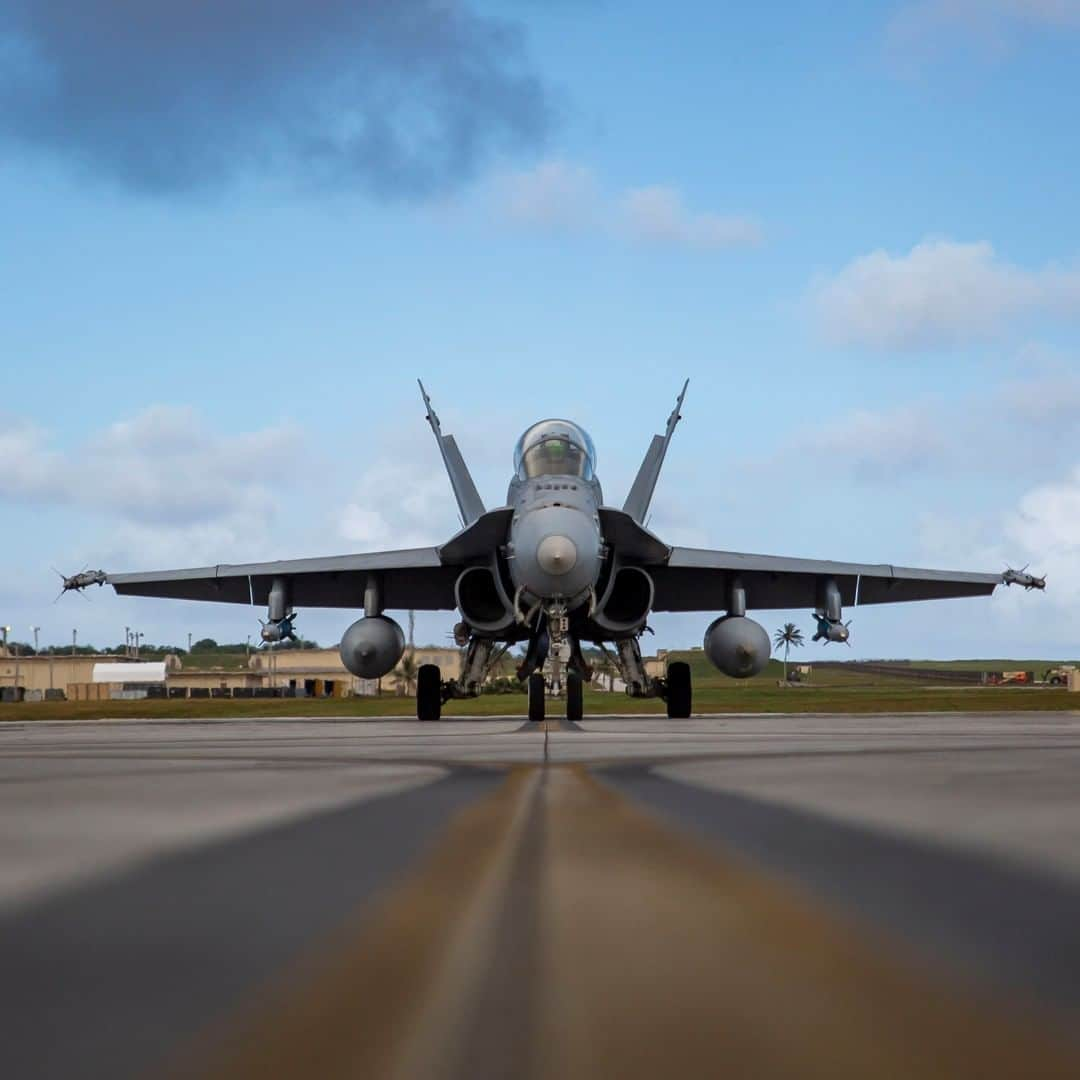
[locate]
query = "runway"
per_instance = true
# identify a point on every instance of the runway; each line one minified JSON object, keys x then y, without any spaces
{"x":631,"y":896}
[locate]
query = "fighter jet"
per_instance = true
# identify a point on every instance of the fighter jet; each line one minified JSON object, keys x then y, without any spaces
{"x":553,"y":568}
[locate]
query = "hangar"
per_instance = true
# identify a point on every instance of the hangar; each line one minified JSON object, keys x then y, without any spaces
{"x":299,"y":672}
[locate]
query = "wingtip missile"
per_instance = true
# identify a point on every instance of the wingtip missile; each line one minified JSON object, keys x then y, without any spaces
{"x":1024,"y":579}
{"x":82,"y":580}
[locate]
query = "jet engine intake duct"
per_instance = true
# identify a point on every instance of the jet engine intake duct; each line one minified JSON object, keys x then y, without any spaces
{"x":372,"y":646}
{"x":738,"y":646}
{"x":482,"y":601}
{"x":626,"y":602}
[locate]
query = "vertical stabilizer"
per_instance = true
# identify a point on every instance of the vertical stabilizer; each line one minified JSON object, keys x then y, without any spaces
{"x":637,"y":502}
{"x":470,"y":505}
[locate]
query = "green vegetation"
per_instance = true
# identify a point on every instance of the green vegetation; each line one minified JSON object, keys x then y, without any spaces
{"x":842,"y":688}
{"x":829,"y":690}
{"x":736,"y":700}
{"x":789,"y":634}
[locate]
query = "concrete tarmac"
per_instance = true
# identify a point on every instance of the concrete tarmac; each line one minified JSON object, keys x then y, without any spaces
{"x":888,"y":895}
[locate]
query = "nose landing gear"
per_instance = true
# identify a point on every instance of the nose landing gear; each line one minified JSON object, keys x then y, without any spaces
{"x":554,"y":663}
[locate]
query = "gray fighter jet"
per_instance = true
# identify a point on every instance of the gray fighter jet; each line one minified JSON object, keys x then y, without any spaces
{"x":554,"y":568}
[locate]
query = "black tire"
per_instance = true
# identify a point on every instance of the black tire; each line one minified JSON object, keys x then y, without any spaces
{"x":679,"y":694}
{"x":575,"y":698}
{"x":428,"y":692}
{"x":536,"y":698}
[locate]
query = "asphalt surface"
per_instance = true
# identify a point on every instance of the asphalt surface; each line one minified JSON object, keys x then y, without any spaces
{"x":768,"y":895}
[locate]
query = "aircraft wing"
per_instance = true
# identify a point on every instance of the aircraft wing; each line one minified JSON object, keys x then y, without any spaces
{"x":416,"y":579}
{"x":695,"y":579}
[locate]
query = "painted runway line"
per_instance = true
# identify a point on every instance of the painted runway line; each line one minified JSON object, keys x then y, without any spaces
{"x":762,"y":896}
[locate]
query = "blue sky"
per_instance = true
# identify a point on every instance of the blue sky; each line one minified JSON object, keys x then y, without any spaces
{"x":228,"y":247}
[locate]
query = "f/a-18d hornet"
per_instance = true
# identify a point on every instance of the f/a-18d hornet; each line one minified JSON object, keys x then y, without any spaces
{"x":553,"y":569}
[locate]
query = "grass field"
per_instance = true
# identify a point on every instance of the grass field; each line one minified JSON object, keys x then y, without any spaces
{"x":832,"y":690}
{"x":825,"y":700}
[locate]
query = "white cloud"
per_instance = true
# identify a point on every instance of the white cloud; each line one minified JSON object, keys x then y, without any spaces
{"x":942,"y":293}
{"x":658,"y":215}
{"x":554,"y":194}
{"x":560,"y":195}
{"x":920,"y":30}
{"x":1042,"y":528}
{"x":883,"y":445}
{"x":399,"y":504}
{"x":1047,"y":523}
{"x":160,"y":468}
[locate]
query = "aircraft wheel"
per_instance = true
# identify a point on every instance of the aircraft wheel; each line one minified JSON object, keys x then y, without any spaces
{"x":428,"y":692}
{"x":678,"y":690}
{"x":575,"y":703}
{"x":536,"y":698}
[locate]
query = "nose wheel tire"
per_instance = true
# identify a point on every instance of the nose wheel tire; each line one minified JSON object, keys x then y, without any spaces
{"x":536,"y":698}
{"x":575,"y":704}
{"x":678,"y":690}
{"x":428,"y":692}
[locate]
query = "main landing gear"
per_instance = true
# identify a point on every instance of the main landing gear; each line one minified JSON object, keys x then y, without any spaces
{"x":428,"y":692}
{"x":678,"y":693}
{"x":674,"y":689}
{"x":432,"y":691}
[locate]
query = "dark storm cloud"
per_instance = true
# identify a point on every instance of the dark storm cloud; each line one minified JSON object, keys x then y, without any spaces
{"x":404,"y":97}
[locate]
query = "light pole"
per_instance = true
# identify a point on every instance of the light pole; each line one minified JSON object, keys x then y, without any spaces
{"x":74,"y":641}
{"x":7,"y":630}
{"x":17,"y":671}
{"x":127,"y":640}
{"x":139,"y":635}
{"x":34,"y":630}
{"x":189,"y":643}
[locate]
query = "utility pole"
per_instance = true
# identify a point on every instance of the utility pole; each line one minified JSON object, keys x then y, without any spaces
{"x":139,"y":635}
{"x":7,"y":630}
{"x":189,"y":642}
{"x":127,"y":640}
{"x":34,"y":630}
{"x":74,"y":641}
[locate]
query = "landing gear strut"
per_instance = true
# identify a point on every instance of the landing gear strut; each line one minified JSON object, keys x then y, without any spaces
{"x":675,"y":689}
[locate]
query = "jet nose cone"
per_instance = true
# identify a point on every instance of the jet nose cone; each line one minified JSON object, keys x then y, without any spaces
{"x":556,"y":555}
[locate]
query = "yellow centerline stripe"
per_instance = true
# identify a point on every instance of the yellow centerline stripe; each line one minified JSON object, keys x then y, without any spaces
{"x":655,"y":957}
{"x":380,"y":996}
{"x":665,"y":959}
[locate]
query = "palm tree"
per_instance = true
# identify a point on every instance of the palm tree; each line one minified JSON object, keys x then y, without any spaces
{"x":787,"y":636}
{"x":407,"y":670}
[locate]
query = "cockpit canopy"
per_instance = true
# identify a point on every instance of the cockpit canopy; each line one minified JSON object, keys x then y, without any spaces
{"x":555,"y":448}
